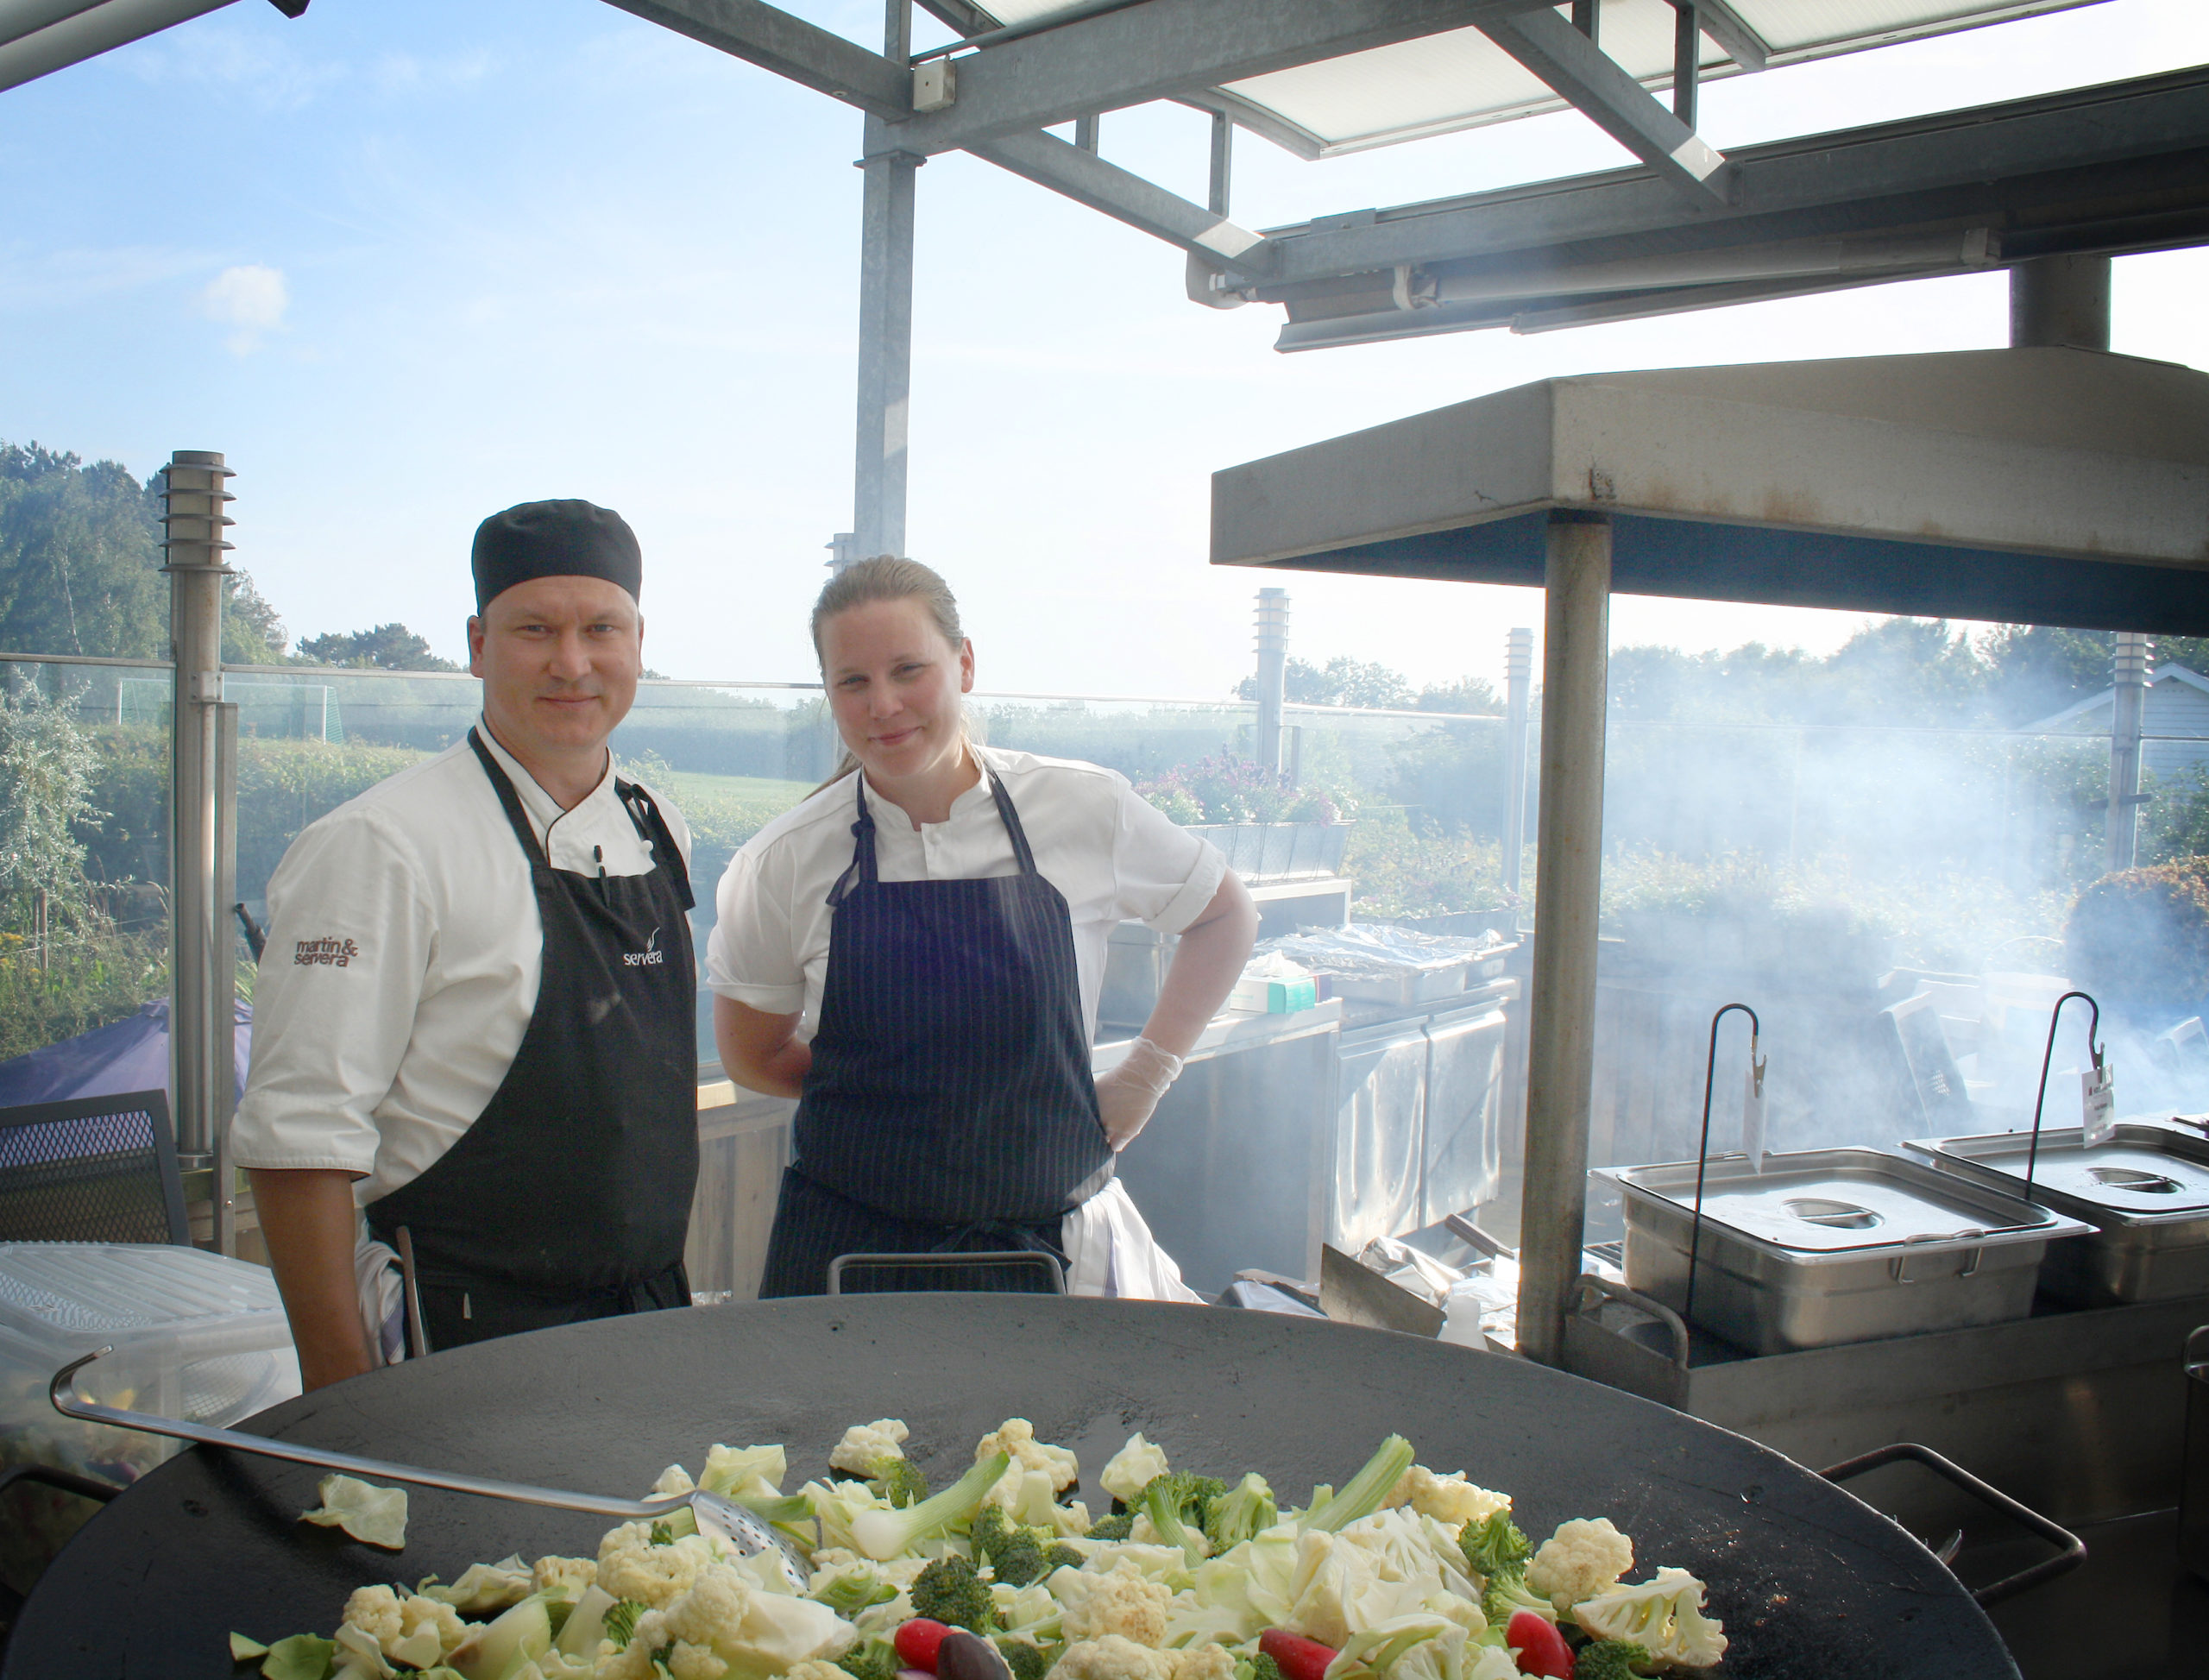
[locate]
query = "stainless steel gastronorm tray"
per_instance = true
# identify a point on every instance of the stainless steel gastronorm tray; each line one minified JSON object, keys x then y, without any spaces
{"x":1827,"y":1246}
{"x":2145,"y":1190}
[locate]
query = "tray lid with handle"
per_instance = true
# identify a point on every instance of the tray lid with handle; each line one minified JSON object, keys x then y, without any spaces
{"x":2142,"y":1175}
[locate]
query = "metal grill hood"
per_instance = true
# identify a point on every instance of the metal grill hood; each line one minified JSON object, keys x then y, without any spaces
{"x":2030,"y":485}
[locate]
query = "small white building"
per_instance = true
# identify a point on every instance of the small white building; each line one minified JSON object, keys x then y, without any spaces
{"x":2173,"y":725}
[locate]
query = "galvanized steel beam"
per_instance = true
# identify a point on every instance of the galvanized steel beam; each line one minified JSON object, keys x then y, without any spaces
{"x":1160,"y":49}
{"x":1592,"y":81}
{"x":790,"y":47}
{"x":1568,"y":883}
{"x":1960,"y":164}
{"x":1088,"y":179}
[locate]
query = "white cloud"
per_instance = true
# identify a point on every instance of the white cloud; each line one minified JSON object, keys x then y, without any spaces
{"x":251,"y":298}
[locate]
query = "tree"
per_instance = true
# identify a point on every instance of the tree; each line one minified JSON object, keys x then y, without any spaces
{"x":80,"y":558}
{"x":47,"y":767}
{"x":1467,"y":694}
{"x":252,"y":633}
{"x":387,"y":647}
{"x":1341,"y":681}
{"x":2035,"y":670}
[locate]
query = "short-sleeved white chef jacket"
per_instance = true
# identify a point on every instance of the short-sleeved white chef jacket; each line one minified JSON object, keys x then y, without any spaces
{"x":1111,"y":854}
{"x":402,"y":964}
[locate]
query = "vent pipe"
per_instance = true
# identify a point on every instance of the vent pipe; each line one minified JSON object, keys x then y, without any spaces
{"x":2129,"y":698}
{"x":1518,"y":685}
{"x":1272,"y":673}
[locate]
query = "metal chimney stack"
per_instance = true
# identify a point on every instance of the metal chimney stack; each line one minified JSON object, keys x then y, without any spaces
{"x":1272,"y":673}
{"x":1518,"y":689}
{"x":202,"y":985}
{"x":2129,"y":697}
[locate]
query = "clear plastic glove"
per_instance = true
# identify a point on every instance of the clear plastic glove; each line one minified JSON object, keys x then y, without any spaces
{"x":1128,"y":1096}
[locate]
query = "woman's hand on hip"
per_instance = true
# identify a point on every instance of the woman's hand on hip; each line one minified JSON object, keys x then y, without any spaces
{"x":1127,"y":1095}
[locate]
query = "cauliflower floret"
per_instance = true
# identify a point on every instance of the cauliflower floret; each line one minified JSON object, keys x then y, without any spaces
{"x":630,"y":1566}
{"x":1203,"y":1661}
{"x":866,"y":1445}
{"x":416,"y":1630}
{"x":722,"y":1625}
{"x":1450,"y":1498}
{"x":567,"y":1577}
{"x":1580,"y":1560}
{"x":813,"y":1668}
{"x":1018,"y":1437}
{"x":745,"y":1472}
{"x":1110,"y":1658}
{"x":1663,"y":1615}
{"x":1131,"y":1468}
{"x":1121,"y":1601}
{"x":672,"y":1481}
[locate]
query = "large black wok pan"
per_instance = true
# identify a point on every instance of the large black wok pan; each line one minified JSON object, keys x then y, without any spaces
{"x":1809,"y":1582}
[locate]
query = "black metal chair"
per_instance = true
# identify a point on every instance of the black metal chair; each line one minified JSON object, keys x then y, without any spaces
{"x":92,"y":1169}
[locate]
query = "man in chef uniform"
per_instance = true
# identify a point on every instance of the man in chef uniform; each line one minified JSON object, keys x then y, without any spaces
{"x":474,"y":1017}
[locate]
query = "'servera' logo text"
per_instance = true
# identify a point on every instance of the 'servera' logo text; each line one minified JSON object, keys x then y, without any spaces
{"x":651,"y":957}
{"x":328,"y":952}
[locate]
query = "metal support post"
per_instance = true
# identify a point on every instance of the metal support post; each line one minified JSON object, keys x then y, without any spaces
{"x":2059,"y":302}
{"x":843,"y":551}
{"x":1586,"y":15}
{"x":1272,"y":673}
{"x":193,"y":516}
{"x":1223,"y":162}
{"x":1687,"y":60}
{"x":886,"y":370}
{"x":2130,"y":699}
{"x":1085,"y":132}
{"x":1561,"y":1028}
{"x":222,"y":1039}
{"x":1518,"y":682}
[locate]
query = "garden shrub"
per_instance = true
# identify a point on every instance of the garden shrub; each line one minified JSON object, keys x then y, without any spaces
{"x":2142,"y":936}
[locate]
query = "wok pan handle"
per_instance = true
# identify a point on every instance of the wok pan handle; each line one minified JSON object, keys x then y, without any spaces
{"x":2071,"y":1550}
{"x":70,"y":1404}
{"x":1640,"y":1303}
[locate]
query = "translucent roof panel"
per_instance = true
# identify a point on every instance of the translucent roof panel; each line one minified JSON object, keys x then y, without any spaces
{"x":1462,"y":79}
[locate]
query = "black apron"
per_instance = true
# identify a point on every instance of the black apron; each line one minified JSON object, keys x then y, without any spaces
{"x":569,"y":1197}
{"x":950,"y":1105}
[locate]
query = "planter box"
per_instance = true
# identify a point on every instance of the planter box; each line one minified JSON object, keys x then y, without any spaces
{"x":1278,"y":851}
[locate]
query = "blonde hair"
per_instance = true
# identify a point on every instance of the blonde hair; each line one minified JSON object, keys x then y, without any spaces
{"x":885,"y":577}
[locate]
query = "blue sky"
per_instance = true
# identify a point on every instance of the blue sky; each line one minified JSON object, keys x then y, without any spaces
{"x":406,"y":261}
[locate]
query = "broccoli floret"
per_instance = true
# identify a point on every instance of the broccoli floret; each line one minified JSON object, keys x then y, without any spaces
{"x":1026,"y":1661}
{"x":1117,"y":1526}
{"x":901,"y":1483}
{"x":989,"y":1531}
{"x":1362,"y":1495}
{"x":871,"y":1659}
{"x":950,"y":1591}
{"x":1506,"y":1595}
{"x":1259,"y":1667}
{"x":1494,"y":1546}
{"x":1244,"y":1510}
{"x":1610,"y":1659}
{"x":1176,"y":1504}
{"x":1059,"y":1556}
{"x":663,"y":1534}
{"x":882,"y":1535}
{"x":621,"y":1621}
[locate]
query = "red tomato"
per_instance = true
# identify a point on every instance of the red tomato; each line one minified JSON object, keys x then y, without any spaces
{"x":916,"y":1642}
{"x":1541,"y":1648}
{"x":1298,"y":1658}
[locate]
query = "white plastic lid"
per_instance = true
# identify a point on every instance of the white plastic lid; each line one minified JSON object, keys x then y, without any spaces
{"x":90,"y":1292}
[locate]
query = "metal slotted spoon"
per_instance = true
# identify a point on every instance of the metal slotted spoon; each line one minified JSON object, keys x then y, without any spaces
{"x":720,"y":1518}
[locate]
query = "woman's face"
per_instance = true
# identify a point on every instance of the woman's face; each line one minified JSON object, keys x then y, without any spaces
{"x":894,"y":684}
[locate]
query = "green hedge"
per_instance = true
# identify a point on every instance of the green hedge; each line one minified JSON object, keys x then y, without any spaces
{"x":2140,"y":937}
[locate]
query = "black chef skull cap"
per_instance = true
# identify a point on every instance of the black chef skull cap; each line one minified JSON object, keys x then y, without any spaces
{"x":555,"y":540}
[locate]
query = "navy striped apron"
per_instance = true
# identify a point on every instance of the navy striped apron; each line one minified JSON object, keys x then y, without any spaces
{"x":950,"y":1105}
{"x":570,"y":1196}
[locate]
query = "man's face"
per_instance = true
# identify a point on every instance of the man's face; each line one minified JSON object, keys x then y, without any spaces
{"x":559,"y":657}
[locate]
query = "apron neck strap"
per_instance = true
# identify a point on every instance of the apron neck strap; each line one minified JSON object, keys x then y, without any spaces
{"x":643,"y":811}
{"x":862,"y":870}
{"x":501,"y":785}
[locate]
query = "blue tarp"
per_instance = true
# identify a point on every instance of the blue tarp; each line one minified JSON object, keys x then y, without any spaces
{"x":125,"y":1055}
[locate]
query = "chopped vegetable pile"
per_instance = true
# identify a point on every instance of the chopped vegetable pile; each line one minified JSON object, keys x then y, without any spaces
{"x":1399,"y":1575}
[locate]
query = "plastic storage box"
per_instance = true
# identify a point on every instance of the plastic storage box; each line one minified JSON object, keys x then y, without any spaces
{"x":196,"y":1336}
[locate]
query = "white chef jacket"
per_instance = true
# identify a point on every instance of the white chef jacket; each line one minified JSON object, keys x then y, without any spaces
{"x":1111,"y":854}
{"x":402,"y":964}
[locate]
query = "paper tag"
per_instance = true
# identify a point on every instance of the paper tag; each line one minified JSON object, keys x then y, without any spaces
{"x":1753,"y":1116}
{"x":2098,"y":1102}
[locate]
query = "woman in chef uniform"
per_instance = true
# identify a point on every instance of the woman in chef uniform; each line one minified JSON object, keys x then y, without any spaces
{"x":916,"y":953}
